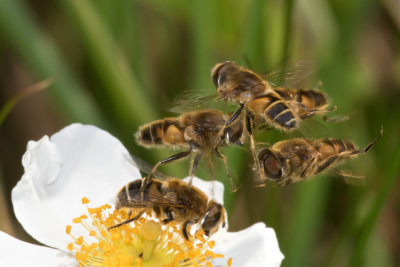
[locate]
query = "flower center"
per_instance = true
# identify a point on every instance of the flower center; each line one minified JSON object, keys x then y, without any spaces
{"x":144,"y":242}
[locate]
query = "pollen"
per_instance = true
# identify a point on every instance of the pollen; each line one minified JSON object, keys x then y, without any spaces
{"x":151,"y":230}
{"x":70,"y":246}
{"x":85,"y":200}
{"x":211,"y":244}
{"x":144,"y":242}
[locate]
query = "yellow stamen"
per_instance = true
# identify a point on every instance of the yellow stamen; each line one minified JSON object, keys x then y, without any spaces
{"x":70,"y":246}
{"x":77,"y":220}
{"x":211,"y":244}
{"x":144,"y":242}
{"x":79,"y":241}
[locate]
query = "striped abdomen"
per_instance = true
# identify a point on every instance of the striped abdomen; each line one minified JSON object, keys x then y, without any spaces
{"x":330,"y":147}
{"x":312,"y":98}
{"x":161,"y":132}
{"x":308,"y":102}
{"x":275,"y":110}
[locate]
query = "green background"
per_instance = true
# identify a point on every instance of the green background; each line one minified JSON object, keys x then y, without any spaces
{"x":118,"y":64}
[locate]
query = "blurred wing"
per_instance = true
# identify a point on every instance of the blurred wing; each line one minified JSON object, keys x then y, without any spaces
{"x":145,"y":167}
{"x":314,"y":128}
{"x":193,"y":100}
{"x":311,"y":128}
{"x":290,"y":76}
{"x":152,"y":199}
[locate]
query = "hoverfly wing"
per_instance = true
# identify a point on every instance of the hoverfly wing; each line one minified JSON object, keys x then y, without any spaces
{"x":291,"y":75}
{"x":316,"y":127}
{"x":312,"y":128}
{"x":144,"y":166}
{"x":147,"y":198}
{"x":193,"y":100}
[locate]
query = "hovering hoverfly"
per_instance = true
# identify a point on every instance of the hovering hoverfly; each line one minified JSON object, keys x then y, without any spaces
{"x":291,"y":161}
{"x":195,"y":132}
{"x":172,"y":200}
{"x":281,"y":108}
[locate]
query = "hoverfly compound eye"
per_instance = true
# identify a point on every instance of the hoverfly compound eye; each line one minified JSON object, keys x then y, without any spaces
{"x":218,"y":73}
{"x":272,"y":166}
{"x":215,"y":75}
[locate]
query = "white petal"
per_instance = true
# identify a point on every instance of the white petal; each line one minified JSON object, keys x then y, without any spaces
{"x":79,"y":161}
{"x":214,"y":189}
{"x":15,"y":253}
{"x":252,"y":247}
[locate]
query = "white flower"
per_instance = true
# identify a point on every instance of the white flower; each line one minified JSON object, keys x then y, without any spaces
{"x":84,"y":161}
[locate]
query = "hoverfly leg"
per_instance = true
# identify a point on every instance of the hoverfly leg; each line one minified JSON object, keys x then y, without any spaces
{"x":195,"y":163}
{"x":227,"y":123}
{"x":175,"y":157}
{"x":307,"y":169}
{"x":336,"y":119}
{"x":326,"y":164}
{"x":312,"y":112}
{"x":211,"y":169}
{"x":128,"y":221}
{"x":249,"y":121}
{"x":350,"y":178}
{"x":223,"y":158}
{"x":346,"y":173}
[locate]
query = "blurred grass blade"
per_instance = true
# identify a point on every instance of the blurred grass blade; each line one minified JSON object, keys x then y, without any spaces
{"x":8,"y":106}
{"x":365,"y":231}
{"x":320,"y":19}
{"x":392,"y":7}
{"x":21,"y":32}
{"x":201,"y":64}
{"x":309,"y":202}
{"x":6,"y":224}
{"x":130,"y":102}
{"x":254,"y":39}
{"x":288,"y":16}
